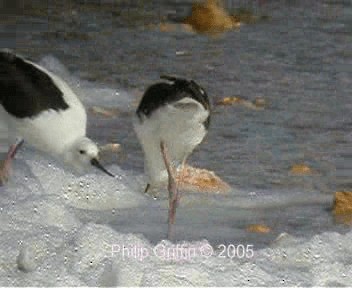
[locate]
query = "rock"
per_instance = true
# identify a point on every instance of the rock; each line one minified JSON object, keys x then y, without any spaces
{"x":230,"y":100}
{"x":210,"y":17}
{"x":342,"y":209}
{"x":201,"y":180}
{"x":258,"y":104}
{"x":301,"y":169}
{"x":258,"y":228}
{"x":343,"y":203}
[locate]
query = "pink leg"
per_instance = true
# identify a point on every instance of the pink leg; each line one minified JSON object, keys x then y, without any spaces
{"x":5,"y":166}
{"x":174,"y":195}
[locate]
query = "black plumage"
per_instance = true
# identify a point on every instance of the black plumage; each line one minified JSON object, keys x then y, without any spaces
{"x":161,"y":94}
{"x":25,"y":90}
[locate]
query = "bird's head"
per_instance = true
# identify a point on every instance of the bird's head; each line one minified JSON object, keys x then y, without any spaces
{"x":83,"y":154}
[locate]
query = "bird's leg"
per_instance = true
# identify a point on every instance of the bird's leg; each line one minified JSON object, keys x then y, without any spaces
{"x":172,"y":188}
{"x":5,"y":166}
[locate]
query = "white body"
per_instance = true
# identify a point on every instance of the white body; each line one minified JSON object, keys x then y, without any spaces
{"x":53,"y":132}
{"x":180,"y":126}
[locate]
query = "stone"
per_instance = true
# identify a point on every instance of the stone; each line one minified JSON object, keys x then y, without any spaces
{"x":210,"y":17}
{"x":258,"y":228}
{"x":301,"y":169}
{"x":200,"y":180}
{"x":342,"y":203}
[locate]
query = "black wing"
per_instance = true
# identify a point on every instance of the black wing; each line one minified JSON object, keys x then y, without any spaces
{"x":26,"y":91}
{"x":156,"y":96}
{"x":161,"y":94}
{"x":194,"y":90}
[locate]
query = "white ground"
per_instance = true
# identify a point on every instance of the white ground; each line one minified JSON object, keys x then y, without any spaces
{"x":44,"y":242}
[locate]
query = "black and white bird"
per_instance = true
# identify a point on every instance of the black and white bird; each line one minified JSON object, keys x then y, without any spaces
{"x":175,"y":112}
{"x":41,"y":109}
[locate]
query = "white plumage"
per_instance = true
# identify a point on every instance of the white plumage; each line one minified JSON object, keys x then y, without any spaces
{"x":51,"y":131}
{"x":60,"y":132}
{"x":179,"y":123}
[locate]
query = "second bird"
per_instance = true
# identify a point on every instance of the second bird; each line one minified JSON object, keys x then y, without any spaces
{"x":177,"y":113}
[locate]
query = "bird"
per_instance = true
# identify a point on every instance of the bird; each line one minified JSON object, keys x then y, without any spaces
{"x":39,"y":108}
{"x":176,"y":113}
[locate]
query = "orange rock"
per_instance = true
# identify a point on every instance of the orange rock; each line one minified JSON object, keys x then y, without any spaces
{"x":343,"y":203}
{"x":200,"y":180}
{"x":343,"y":207}
{"x":258,"y":228}
{"x":230,"y":101}
{"x":210,"y":17}
{"x":301,"y":169}
{"x":258,"y":104}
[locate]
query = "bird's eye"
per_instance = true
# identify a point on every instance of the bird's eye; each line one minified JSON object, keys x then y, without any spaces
{"x":82,"y":152}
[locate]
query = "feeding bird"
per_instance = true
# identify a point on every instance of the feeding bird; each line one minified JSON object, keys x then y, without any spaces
{"x":41,"y":109}
{"x":176,"y":113}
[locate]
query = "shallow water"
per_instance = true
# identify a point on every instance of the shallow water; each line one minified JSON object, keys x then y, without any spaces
{"x":299,"y":61}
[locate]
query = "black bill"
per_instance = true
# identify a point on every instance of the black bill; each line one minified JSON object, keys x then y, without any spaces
{"x":96,"y":164}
